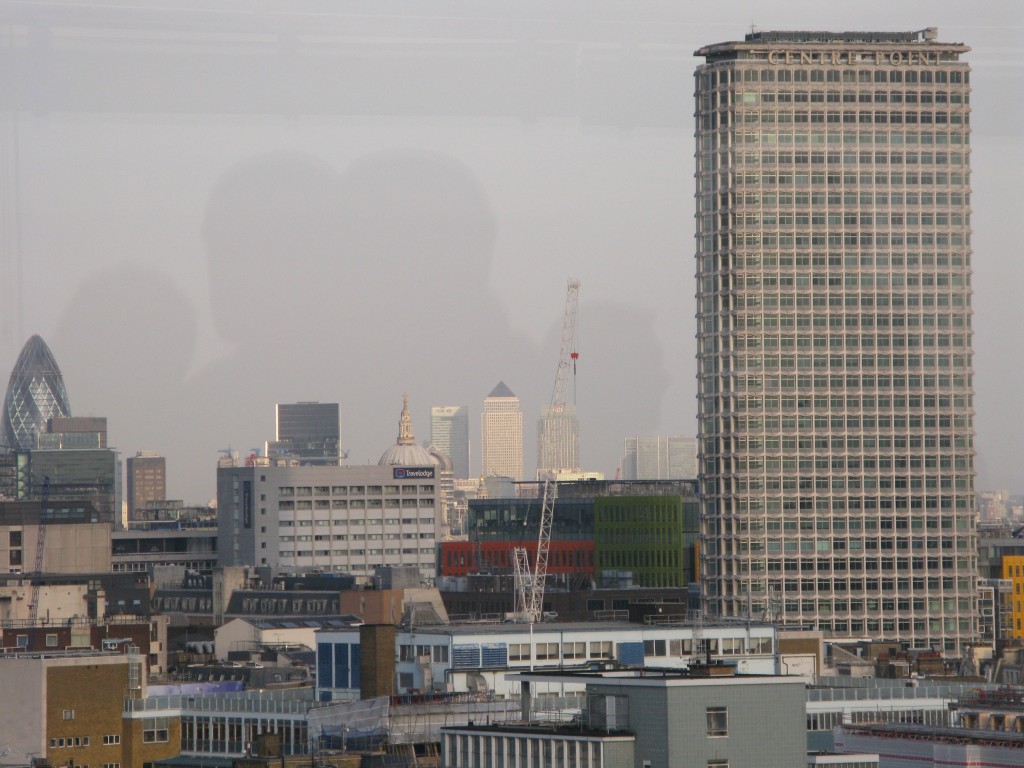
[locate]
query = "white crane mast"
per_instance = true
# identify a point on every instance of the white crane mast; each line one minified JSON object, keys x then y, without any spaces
{"x":567,"y":354}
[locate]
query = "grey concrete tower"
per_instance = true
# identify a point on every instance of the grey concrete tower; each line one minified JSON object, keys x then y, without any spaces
{"x":836,"y":437}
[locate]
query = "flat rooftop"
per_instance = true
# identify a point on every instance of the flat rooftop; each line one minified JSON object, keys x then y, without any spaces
{"x":519,"y":628}
{"x":715,"y":674}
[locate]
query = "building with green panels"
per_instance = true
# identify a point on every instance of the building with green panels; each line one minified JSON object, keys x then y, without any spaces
{"x":653,"y":539}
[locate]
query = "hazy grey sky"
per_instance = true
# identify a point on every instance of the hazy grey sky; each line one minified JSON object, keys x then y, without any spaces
{"x":209,"y":207}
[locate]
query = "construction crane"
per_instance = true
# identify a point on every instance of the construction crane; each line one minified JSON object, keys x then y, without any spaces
{"x":37,"y":573}
{"x":567,"y":355}
{"x":558,"y":433}
{"x":530,"y":584}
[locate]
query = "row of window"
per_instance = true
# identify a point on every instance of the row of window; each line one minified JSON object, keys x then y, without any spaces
{"x":352,"y":490}
{"x":844,"y":524}
{"x":769,"y":179}
{"x":360,"y":537}
{"x":287,"y":504}
{"x":435,"y":653}
{"x":853,"y":307}
{"x":724,"y":76}
{"x":886,"y":565}
{"x":846,"y":96}
{"x":308,"y":523}
{"x":757,"y":383}
{"x":355,"y":552}
{"x":850,"y":402}
{"x":863,"y":117}
{"x":905,"y":263}
{"x":846,"y":159}
{"x":833,"y":137}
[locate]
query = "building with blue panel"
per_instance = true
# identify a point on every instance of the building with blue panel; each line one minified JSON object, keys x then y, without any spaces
{"x":459,"y":658}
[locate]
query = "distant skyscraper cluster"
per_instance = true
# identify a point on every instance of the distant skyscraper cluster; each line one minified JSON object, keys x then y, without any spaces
{"x":656,"y":457}
{"x":501,"y":435}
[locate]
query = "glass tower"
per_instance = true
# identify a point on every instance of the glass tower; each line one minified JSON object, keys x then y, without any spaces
{"x":836,"y":438}
{"x":449,"y":432}
{"x":35,"y":394}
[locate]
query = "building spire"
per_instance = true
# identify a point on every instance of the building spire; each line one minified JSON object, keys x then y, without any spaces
{"x":405,"y":423}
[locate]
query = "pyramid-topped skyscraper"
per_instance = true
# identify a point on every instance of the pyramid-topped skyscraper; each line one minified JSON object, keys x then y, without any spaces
{"x":501,"y":437}
{"x":35,"y":393}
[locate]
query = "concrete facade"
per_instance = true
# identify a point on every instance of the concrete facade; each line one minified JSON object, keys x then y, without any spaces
{"x":339,"y":518}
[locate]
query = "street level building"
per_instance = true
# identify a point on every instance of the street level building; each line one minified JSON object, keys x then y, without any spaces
{"x":501,"y":435}
{"x":836,"y":435}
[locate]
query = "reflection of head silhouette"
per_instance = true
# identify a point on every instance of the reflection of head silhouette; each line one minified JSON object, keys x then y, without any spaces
{"x":417,"y":214}
{"x":126,"y":340}
{"x":271,"y":232}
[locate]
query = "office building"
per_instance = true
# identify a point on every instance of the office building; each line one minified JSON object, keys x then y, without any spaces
{"x":835,"y":390}
{"x":479,"y":656}
{"x":449,"y":433}
{"x":558,"y":442}
{"x":702,"y":716}
{"x":77,"y":538}
{"x":307,"y":432}
{"x":92,"y":475}
{"x":501,"y":435}
{"x":35,"y":393}
{"x":74,"y":432}
{"x":656,"y":457}
{"x":147,"y":482}
{"x":338,"y":518}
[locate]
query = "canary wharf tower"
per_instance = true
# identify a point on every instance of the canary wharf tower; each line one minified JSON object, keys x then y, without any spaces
{"x":834,"y":310}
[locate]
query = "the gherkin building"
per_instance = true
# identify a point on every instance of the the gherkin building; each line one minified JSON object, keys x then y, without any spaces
{"x":35,"y":393}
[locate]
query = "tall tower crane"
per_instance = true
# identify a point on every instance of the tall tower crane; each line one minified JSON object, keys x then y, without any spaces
{"x":37,"y":573}
{"x":567,"y":355}
{"x":558,"y":444}
{"x":530,"y":584}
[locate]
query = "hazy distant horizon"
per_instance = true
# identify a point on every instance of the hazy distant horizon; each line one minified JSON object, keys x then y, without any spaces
{"x":209,"y":209}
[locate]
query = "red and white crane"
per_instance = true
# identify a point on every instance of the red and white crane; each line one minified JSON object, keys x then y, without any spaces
{"x":530,"y":583}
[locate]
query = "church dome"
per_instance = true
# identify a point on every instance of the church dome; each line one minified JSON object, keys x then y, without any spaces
{"x":405,"y":453}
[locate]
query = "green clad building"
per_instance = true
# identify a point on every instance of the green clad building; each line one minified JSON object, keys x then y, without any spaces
{"x":649,"y":539}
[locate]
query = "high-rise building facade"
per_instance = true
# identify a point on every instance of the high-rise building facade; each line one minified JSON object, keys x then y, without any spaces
{"x":308,"y":432}
{"x":836,"y":438}
{"x":660,"y":457}
{"x":146,"y":482}
{"x":558,"y":441}
{"x":35,"y":393}
{"x":449,"y":433}
{"x":501,"y":435}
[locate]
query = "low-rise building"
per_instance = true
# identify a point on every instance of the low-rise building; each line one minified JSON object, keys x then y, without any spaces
{"x":68,"y":710}
{"x":478,"y":657}
{"x":657,"y":718}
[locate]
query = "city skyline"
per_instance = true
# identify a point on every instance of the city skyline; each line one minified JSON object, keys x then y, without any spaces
{"x":278,"y":238}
